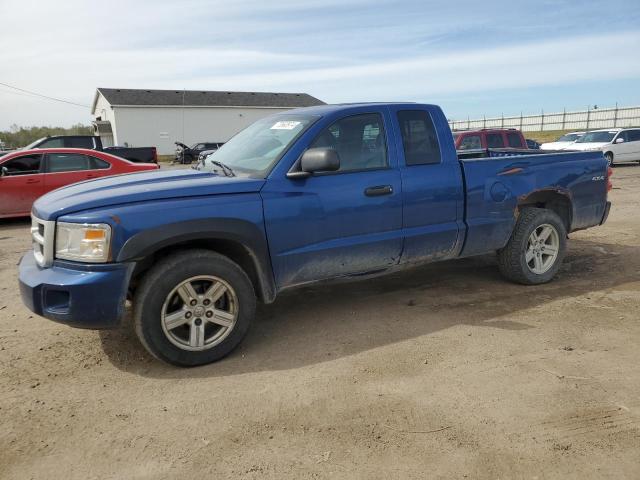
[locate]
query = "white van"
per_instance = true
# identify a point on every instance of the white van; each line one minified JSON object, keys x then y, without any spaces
{"x":617,"y":144}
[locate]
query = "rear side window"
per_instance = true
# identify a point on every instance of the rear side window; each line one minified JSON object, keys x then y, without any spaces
{"x":25,"y":165}
{"x":495,"y":140}
{"x":419,"y":138}
{"x":80,"y":142}
{"x":470,"y":142}
{"x":514,"y":140}
{"x":97,"y":164}
{"x":67,"y":162}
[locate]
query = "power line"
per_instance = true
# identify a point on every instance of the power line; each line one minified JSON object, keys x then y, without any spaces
{"x":16,"y":93}
{"x":45,"y":96}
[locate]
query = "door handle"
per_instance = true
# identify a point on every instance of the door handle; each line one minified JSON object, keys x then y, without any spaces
{"x":378,"y":190}
{"x":33,"y":180}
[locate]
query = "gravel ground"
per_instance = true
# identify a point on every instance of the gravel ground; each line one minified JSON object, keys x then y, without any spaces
{"x":446,"y":371}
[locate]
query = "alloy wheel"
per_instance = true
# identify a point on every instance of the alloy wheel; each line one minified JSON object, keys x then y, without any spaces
{"x":542,"y":248}
{"x":199,"y":313}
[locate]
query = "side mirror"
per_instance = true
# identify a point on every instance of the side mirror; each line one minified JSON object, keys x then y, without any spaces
{"x":4,"y":171}
{"x":317,"y":160}
{"x":619,"y":140}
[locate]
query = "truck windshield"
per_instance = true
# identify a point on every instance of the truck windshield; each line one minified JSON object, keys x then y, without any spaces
{"x":597,"y":137}
{"x":33,"y":144}
{"x":256,"y":149}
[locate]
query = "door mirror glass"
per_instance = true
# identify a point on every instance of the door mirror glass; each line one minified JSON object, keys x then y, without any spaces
{"x":320,"y":160}
{"x":619,"y":140}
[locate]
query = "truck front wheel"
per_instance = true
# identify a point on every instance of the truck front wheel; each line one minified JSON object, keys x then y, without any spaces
{"x":193,"y":308}
{"x":536,"y":248}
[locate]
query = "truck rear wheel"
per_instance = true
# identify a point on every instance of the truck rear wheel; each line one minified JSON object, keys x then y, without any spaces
{"x":536,"y":248}
{"x":193,"y":308}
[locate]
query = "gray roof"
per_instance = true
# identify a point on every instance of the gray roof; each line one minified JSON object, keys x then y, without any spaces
{"x":199,"y":98}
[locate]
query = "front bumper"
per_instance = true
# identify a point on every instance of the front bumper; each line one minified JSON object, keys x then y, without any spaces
{"x":83,"y":296}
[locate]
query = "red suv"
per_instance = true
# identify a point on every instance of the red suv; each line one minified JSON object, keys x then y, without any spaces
{"x":489,"y":138}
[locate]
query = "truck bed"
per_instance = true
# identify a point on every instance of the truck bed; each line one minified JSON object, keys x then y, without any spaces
{"x":495,"y":186}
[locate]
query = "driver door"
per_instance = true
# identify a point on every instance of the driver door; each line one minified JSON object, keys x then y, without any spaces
{"x":338,"y":223}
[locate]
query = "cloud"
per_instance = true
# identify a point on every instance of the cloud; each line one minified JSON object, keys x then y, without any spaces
{"x":337,"y":50}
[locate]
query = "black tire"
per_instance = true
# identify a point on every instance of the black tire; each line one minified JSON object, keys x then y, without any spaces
{"x":160,"y":281}
{"x":512,"y":258}
{"x":609,"y":158}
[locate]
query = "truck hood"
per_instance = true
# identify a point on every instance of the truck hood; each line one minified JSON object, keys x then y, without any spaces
{"x":586,"y":146}
{"x":139,"y":187}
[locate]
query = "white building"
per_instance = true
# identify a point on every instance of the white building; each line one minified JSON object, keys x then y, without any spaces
{"x":158,"y":118}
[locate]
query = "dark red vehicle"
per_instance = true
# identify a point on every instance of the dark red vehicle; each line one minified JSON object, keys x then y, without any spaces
{"x":28,"y":174}
{"x":490,"y":138}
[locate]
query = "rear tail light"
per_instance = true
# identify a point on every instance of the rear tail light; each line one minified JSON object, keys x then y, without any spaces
{"x":609,"y":174}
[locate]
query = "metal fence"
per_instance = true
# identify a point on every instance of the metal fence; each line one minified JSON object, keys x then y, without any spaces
{"x":582,"y":120}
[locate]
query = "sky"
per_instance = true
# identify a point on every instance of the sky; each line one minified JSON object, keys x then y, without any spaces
{"x":473,"y":58}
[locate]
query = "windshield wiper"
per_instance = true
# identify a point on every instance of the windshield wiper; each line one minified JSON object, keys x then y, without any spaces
{"x":228,"y":172}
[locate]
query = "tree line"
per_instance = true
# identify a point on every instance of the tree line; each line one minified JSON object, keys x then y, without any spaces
{"x":17,"y":136}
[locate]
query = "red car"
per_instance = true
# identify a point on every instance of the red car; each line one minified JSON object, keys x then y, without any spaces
{"x":490,"y":138}
{"x":28,"y":174}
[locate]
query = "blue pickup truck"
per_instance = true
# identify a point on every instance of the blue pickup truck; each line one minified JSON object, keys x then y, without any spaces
{"x":302,"y":196}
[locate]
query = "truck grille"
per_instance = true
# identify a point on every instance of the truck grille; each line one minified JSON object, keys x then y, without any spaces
{"x":42,"y":236}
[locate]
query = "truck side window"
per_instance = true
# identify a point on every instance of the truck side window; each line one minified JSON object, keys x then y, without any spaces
{"x":359,"y":141}
{"x":495,"y":140}
{"x":470,"y":142}
{"x":419,"y":138}
{"x":52,"y":143}
{"x":514,"y":140}
{"x":67,"y":162}
{"x":25,"y":165}
{"x":81,"y":142}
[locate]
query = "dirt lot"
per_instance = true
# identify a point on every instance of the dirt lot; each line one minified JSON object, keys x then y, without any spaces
{"x":446,"y":371}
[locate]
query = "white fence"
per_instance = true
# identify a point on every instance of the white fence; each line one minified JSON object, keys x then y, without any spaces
{"x":582,"y":120}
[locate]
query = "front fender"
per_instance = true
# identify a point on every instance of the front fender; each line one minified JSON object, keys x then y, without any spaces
{"x":240,"y":232}
{"x":142,"y":229}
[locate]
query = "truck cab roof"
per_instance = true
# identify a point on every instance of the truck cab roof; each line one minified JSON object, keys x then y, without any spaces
{"x":339,"y":107}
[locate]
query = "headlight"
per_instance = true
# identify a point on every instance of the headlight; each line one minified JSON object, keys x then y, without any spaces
{"x":83,"y":242}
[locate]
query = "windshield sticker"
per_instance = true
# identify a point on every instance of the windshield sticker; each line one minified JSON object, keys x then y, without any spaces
{"x":285,"y":125}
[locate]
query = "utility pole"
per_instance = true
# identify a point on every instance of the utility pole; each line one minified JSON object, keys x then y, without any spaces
{"x":184,"y":91}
